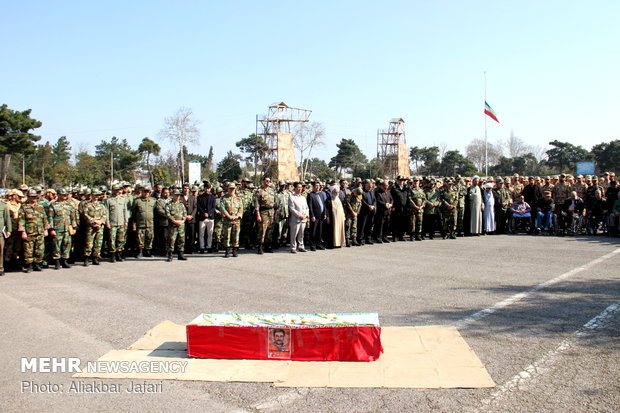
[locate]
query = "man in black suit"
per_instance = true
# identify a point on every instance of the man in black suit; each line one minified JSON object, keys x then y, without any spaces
{"x":400,"y":195}
{"x":382,"y":217}
{"x":533,"y":195}
{"x":317,"y":215}
{"x":366,"y":214}
{"x":190,"y":220}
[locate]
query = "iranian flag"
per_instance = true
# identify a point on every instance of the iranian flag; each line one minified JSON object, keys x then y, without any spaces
{"x":488,"y":110}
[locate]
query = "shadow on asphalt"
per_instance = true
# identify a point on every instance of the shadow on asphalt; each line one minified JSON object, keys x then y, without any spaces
{"x":559,"y":309}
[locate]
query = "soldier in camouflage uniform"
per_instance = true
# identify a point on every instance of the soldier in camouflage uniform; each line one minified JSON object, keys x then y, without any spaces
{"x":217,"y":225}
{"x":62,"y":218}
{"x":449,"y":203}
{"x":431,"y":210}
{"x":265,"y":209}
{"x":561,"y":192}
{"x":231,"y":208}
{"x":176,"y":212}
{"x":143,"y":212}
{"x":416,"y":202}
{"x":14,"y":244}
{"x":460,"y":187}
{"x":282,"y":217}
{"x":352,"y":207}
{"x":6,"y":227}
{"x":33,"y":227}
{"x":95,"y":220}
{"x":503,"y":201}
{"x":246,"y":194}
{"x":117,"y":218}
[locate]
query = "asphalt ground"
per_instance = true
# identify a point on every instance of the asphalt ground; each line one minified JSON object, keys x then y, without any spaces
{"x":540,"y":312}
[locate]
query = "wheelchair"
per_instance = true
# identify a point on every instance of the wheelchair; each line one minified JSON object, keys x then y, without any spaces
{"x":519,"y":222}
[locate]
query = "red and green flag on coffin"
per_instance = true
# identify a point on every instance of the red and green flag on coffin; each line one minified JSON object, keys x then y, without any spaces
{"x":488,"y":110}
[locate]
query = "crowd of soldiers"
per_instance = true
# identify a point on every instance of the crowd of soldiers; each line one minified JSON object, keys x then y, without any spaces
{"x":58,"y":228}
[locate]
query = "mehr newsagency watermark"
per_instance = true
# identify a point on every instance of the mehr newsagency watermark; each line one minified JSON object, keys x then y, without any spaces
{"x":75,"y":365}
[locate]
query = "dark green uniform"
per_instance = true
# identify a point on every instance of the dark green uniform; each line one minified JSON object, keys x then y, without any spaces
{"x":143,"y":213}
{"x":117,"y":218}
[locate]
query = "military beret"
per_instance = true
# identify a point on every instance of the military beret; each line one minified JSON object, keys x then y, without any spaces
{"x":147,"y":188}
{"x":177,"y":192}
{"x":357,"y":191}
{"x":231,"y":186}
{"x":499,"y":181}
{"x":32,"y":192}
{"x":116,"y":187}
{"x":97,"y":192}
{"x":63,"y":191}
{"x":219,"y":189}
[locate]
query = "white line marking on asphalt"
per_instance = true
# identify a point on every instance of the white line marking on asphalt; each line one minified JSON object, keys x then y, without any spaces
{"x":548,"y":360}
{"x":520,"y":296}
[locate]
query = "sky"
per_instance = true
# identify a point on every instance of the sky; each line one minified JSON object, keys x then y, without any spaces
{"x":93,"y":70}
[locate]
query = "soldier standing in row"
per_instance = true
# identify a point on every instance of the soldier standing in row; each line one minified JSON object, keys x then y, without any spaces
{"x":176,"y":212}
{"x":352,"y":207}
{"x":143,"y":212}
{"x":282,"y":216}
{"x":417,"y":199}
{"x":14,"y":243}
{"x":6,"y":227}
{"x":231,"y":208}
{"x":217,"y":224}
{"x":117,"y":218}
{"x":95,"y":220}
{"x":264,"y":205}
{"x":62,"y":219}
{"x":449,"y":209}
{"x":33,"y":227}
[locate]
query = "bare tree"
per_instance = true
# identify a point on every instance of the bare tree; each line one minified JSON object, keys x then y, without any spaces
{"x":515,"y":146}
{"x":443,"y":148}
{"x":306,"y":137}
{"x":475,"y":152}
{"x":181,"y":130}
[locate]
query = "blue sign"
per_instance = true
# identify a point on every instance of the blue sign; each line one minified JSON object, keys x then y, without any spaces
{"x":585,"y":168}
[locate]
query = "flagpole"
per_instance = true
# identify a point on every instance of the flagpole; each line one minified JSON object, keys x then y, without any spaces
{"x":486,"y":145}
